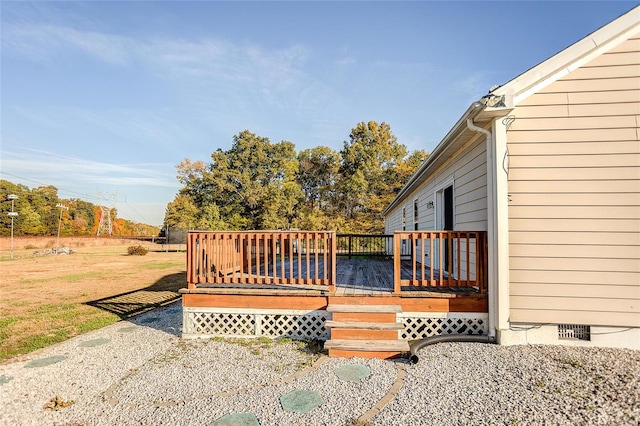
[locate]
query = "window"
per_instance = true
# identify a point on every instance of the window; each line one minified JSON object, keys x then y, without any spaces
{"x":416,"y":216}
{"x":404,"y":219}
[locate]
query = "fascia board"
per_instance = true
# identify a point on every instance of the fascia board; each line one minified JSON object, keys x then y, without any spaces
{"x":571,"y":58}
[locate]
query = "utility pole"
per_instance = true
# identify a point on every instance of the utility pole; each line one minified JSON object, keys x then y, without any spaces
{"x":12,"y":214}
{"x":61,"y":207}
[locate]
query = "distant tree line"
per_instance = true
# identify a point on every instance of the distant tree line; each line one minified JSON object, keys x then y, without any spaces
{"x":38,"y":214}
{"x":257,"y":184}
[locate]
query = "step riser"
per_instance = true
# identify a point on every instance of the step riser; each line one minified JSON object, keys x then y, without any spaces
{"x":363,"y":317}
{"x":366,"y":331}
{"x":363,"y":334}
{"x":363,"y":354}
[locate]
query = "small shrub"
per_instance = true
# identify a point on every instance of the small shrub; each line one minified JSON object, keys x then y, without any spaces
{"x":137,"y":251}
{"x":30,"y":247}
{"x":56,"y":403}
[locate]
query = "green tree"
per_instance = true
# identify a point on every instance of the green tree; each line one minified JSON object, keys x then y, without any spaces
{"x":43,"y":200}
{"x":30,"y":221}
{"x":257,"y":184}
{"x":374,"y":166}
{"x":181,"y":213}
{"x":7,"y":188}
{"x":317,"y":174}
{"x":82,"y":217}
{"x":250,"y":186}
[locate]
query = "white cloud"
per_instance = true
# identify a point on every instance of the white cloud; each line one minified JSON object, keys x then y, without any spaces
{"x":43,"y":42}
{"x":205,"y":58}
{"x":65,"y":170}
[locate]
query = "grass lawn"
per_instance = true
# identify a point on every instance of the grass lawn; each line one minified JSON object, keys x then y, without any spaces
{"x":48,"y":299}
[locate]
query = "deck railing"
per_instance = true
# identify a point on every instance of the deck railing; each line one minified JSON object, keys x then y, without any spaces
{"x":441,"y":259}
{"x":261,"y":257}
{"x":364,"y":245}
{"x":377,"y":245}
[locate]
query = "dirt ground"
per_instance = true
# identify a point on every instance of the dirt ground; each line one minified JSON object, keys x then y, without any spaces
{"x":49,"y":298}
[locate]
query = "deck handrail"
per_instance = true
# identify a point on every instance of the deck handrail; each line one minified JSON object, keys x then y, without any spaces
{"x":261,"y":257}
{"x":441,"y":259}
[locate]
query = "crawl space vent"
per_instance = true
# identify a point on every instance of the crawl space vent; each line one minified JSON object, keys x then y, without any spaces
{"x":574,"y":332}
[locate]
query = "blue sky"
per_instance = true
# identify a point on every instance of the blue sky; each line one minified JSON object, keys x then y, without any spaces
{"x":110,"y":96}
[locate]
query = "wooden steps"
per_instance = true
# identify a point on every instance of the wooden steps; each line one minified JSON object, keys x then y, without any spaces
{"x":366,"y":331}
{"x":363,"y":325}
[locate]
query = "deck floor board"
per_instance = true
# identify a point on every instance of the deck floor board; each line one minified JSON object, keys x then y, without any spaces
{"x":354,"y":277}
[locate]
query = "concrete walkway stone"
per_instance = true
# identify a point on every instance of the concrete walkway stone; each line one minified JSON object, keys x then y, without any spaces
{"x":94,"y":342}
{"x":301,"y":401}
{"x":352,"y":372}
{"x":237,"y":419}
{"x":43,"y":362}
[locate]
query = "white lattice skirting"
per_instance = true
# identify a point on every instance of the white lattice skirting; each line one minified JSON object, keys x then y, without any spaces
{"x":418,"y":325}
{"x":305,"y":324}
{"x":296,"y":324}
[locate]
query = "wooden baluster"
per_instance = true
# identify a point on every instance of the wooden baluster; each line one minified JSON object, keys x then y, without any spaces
{"x":324,"y":258}
{"x":274,"y":257}
{"x":457,"y":244}
{"x":422,"y":276}
{"x":316,"y":237}
{"x":249,"y":257}
{"x":308,"y":257}
{"x":440,"y":259}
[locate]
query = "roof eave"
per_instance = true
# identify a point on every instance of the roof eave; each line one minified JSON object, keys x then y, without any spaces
{"x":473,"y":111}
{"x":571,"y":57}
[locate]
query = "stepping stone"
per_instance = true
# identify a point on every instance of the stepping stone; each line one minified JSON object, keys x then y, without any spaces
{"x":352,"y":372}
{"x":237,"y":419}
{"x":128,"y":329}
{"x":93,"y":343}
{"x":43,"y":362}
{"x":301,"y":401}
{"x":5,"y":379}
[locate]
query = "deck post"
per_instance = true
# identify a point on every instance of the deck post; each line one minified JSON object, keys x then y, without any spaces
{"x":334,"y":248}
{"x":396,"y":262}
{"x":192,"y":249}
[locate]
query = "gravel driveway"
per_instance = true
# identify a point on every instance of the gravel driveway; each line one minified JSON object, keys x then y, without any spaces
{"x":139,"y":372}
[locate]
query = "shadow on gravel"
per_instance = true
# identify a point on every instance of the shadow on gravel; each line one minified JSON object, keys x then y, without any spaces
{"x":126,"y":305}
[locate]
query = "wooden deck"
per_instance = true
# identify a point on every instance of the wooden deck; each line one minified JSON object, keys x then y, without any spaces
{"x":287,"y":259}
{"x":290,"y":283}
{"x":365,"y":277}
{"x":354,"y":277}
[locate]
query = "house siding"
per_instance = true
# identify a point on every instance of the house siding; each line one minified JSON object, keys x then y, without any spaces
{"x":467,"y":172}
{"x":574,"y":190}
{"x":467,"y":169}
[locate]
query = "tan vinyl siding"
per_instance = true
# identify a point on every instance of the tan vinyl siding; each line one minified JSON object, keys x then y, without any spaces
{"x":574,"y":188}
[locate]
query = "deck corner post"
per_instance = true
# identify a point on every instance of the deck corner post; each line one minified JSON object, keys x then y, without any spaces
{"x":332,"y":256}
{"x":396,"y":262}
